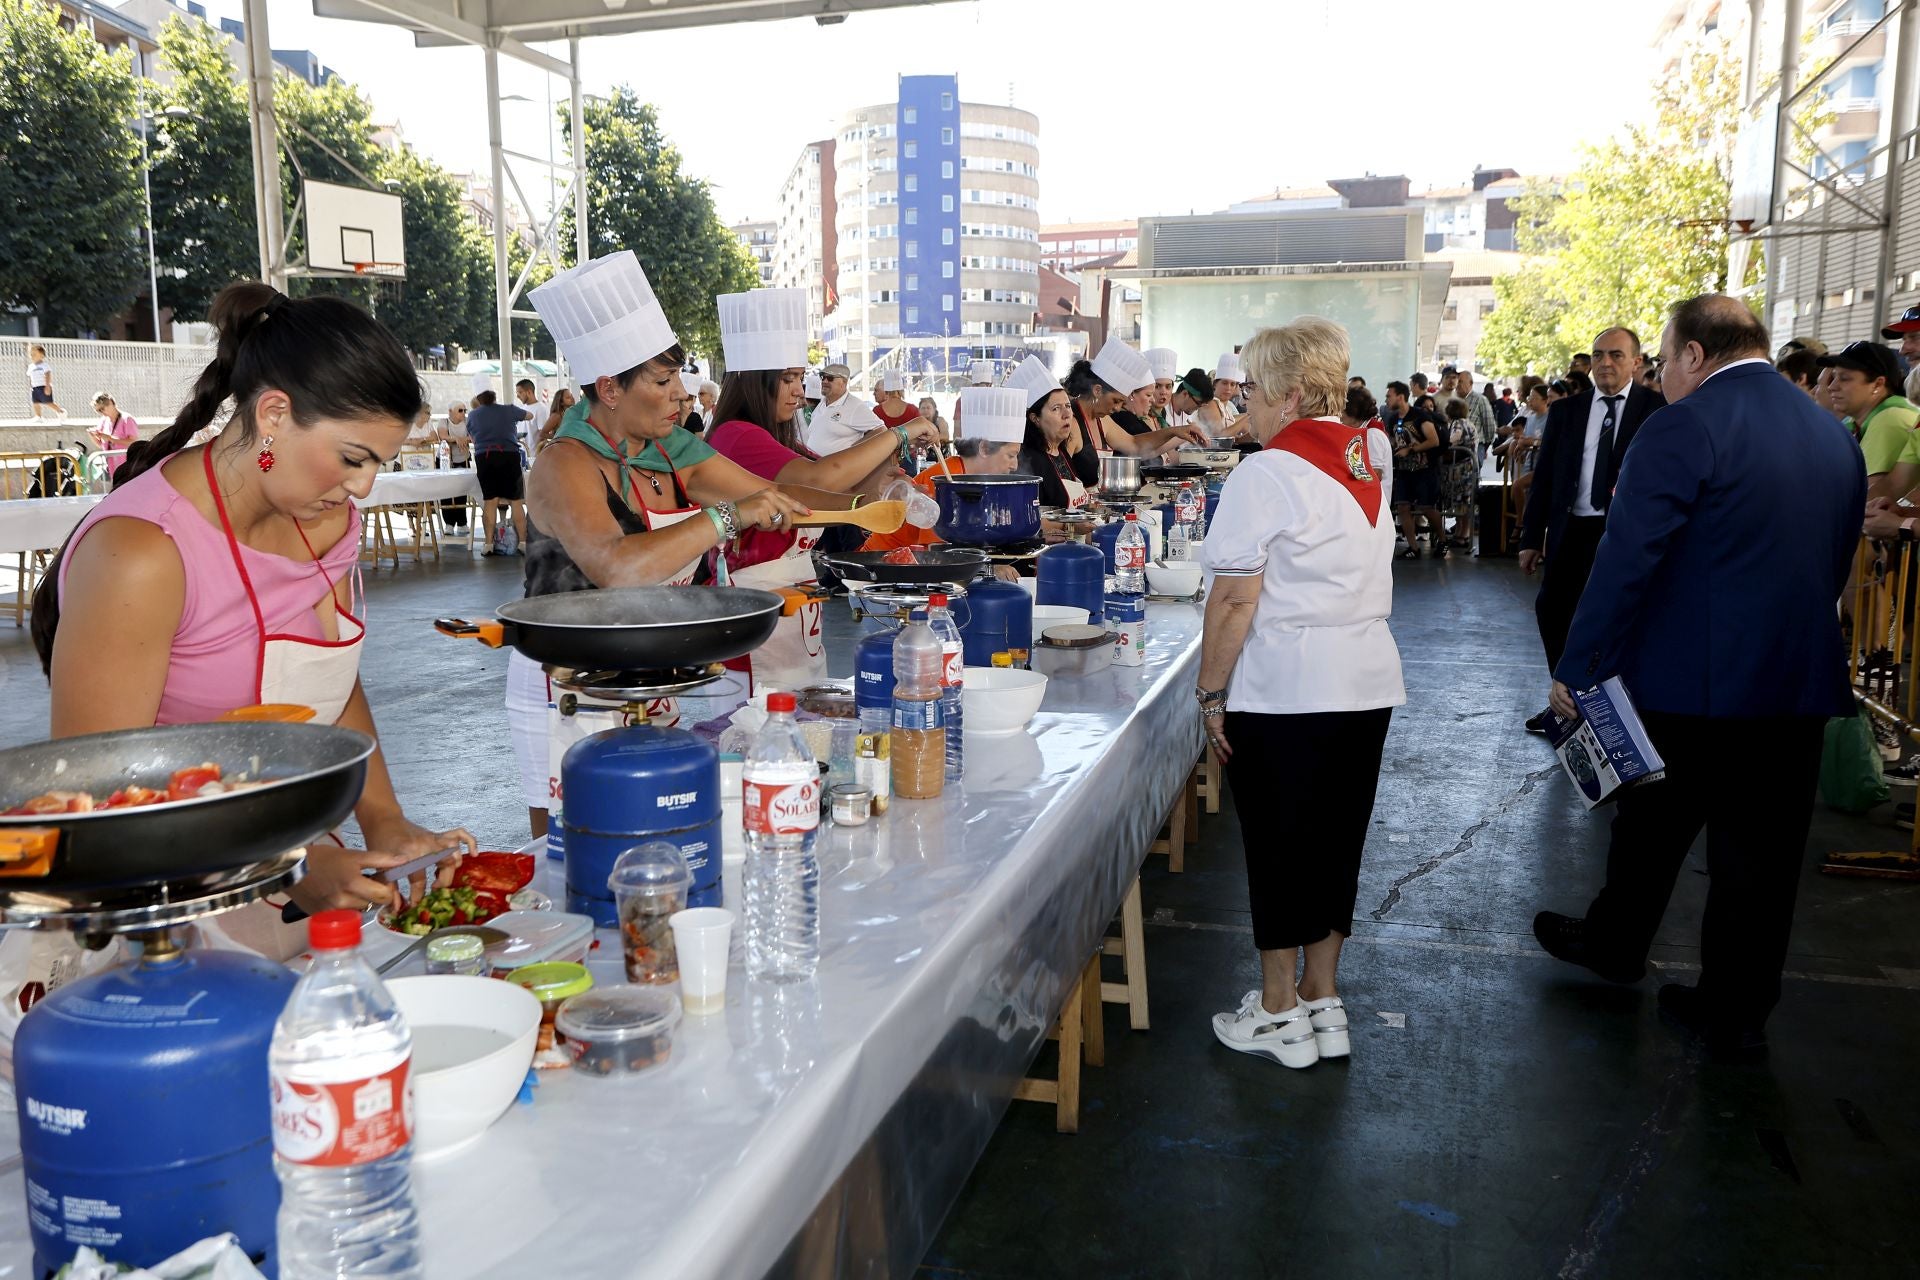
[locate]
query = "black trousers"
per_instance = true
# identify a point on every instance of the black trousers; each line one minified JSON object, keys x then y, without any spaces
{"x":1303,"y":788}
{"x":1566,"y":571}
{"x":1750,"y":783}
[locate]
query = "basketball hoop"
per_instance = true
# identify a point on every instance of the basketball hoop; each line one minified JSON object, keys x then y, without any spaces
{"x":387,"y":281}
{"x":394,"y":270}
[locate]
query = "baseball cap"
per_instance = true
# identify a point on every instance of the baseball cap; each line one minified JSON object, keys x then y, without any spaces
{"x":1869,"y":358}
{"x":1909,"y":322}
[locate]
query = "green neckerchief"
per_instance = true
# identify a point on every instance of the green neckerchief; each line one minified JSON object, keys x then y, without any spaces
{"x":577,"y":427}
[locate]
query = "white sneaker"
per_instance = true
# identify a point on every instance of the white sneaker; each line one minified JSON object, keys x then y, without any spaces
{"x":1287,"y":1037}
{"x":1329,"y":1018}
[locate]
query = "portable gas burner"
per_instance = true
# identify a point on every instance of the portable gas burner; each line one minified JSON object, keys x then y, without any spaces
{"x":627,"y":690}
{"x":896,"y":601}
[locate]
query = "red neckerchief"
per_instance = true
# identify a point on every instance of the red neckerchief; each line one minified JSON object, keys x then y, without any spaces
{"x":1338,"y":451}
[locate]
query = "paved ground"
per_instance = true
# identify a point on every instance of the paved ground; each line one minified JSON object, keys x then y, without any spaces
{"x":1502,"y":1116}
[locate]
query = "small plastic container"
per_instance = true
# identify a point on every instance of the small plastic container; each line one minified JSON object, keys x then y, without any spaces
{"x":649,"y":885}
{"x":537,"y":937}
{"x":460,"y":953}
{"x":619,"y":1031}
{"x":852,"y":805}
{"x":553,"y":984}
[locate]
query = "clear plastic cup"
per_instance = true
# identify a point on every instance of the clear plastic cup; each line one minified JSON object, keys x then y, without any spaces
{"x":700,"y":937}
{"x":649,"y":884}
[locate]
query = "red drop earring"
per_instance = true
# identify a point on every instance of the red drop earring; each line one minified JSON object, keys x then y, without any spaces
{"x":265,"y":460}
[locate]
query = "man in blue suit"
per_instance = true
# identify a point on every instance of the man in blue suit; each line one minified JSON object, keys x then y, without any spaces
{"x":1713,"y":599}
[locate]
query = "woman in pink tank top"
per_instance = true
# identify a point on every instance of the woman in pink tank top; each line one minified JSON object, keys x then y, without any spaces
{"x":223,"y":576}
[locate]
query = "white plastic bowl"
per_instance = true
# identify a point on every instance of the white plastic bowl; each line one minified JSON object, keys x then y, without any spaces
{"x":1000,"y":700}
{"x":473,"y":1044}
{"x":1028,"y":584}
{"x":1174,"y":578}
{"x":1055,"y":615}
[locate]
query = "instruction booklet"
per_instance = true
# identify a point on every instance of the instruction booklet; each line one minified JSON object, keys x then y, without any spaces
{"x":1607,"y":748}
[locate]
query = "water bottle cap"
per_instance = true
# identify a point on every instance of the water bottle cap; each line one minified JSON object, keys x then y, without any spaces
{"x":937,"y":600}
{"x":1132,"y":515}
{"x":780,"y":702}
{"x":334,"y":931}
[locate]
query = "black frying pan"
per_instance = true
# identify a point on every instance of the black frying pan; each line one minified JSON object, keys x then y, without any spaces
{"x":631,"y":628}
{"x":1172,"y":471}
{"x":313,"y":778}
{"x":959,"y":565}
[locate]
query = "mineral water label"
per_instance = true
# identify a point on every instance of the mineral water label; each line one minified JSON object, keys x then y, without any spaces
{"x":1186,"y":509}
{"x":918,"y":714}
{"x":347,"y":1122}
{"x":953,"y":666}
{"x":1129,"y":557}
{"x":1130,"y":645}
{"x":778,"y":808}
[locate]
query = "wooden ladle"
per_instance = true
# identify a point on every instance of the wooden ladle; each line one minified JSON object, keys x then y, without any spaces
{"x":877,"y":517}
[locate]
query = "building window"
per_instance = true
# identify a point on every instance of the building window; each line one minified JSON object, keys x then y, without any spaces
{"x":946,"y":102}
{"x":946,"y":235}
{"x":913,"y":248}
{"x":946,"y":204}
{"x":913,"y":217}
{"x":913,"y":182}
{"x":946,"y":168}
{"x":911,"y":115}
{"x":913,"y":149}
{"x":946,"y":140}
{"x":913,"y":315}
{"x":946,"y":302}
{"x":1486,"y":307}
{"x":913,"y":284}
{"x":1452,"y":312}
{"x":946,"y":270}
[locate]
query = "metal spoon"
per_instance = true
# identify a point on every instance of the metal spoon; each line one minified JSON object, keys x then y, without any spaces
{"x":486,"y":933}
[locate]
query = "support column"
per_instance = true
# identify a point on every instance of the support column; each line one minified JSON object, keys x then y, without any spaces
{"x":1899,"y":121}
{"x":266,"y":146}
{"x":1792,"y":27}
{"x":580,"y":202}
{"x":502,"y":281}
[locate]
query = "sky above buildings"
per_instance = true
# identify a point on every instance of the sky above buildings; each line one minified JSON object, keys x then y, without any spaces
{"x":1145,"y":106}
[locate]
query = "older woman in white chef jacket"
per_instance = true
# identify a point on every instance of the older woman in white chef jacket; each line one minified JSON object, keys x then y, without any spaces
{"x":1298,"y":675}
{"x":624,"y":496}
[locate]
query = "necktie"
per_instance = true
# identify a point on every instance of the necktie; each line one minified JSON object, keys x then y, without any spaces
{"x":1602,"y":489}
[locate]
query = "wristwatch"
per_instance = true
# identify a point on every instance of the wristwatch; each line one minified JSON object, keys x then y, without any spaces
{"x":1209,"y":695}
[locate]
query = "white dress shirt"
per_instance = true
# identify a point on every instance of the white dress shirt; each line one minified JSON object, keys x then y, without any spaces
{"x":1319,"y":639}
{"x":1590,"y":451}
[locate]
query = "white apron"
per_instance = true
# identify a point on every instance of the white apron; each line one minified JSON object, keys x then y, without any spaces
{"x":565,"y":730}
{"x":795,"y":656}
{"x":1076,"y":492}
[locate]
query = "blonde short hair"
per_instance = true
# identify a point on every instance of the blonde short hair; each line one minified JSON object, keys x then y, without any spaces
{"x":1912,"y":388}
{"x":1312,"y":354}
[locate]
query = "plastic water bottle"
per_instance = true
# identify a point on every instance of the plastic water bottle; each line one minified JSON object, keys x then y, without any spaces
{"x":340,"y":1063}
{"x":1177,"y":544}
{"x":1130,"y":558}
{"x":952,"y":677}
{"x":1197,"y":529}
{"x":919,"y":737}
{"x":781,"y":893}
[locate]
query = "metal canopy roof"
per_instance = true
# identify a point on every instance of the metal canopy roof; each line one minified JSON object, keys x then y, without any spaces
{"x":447,"y":22}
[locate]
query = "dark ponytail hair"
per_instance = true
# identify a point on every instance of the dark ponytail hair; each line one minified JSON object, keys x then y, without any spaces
{"x":753,"y":395}
{"x":1081,"y":381}
{"x":333,"y":361}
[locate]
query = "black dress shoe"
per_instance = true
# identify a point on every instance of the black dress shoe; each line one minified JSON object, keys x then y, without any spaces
{"x":1538,"y":724}
{"x":1693,"y":1013}
{"x":1568,"y":938}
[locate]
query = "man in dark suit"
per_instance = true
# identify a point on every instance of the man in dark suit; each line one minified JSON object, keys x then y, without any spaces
{"x":1712,"y":598}
{"x":1581,"y":448}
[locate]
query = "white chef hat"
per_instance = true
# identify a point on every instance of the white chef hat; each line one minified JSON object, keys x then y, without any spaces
{"x":1227,"y":368}
{"x":995,"y":414}
{"x":1165,"y":363}
{"x":812,"y":387}
{"x":1120,"y":368}
{"x":1033,"y":379}
{"x":764,"y":329}
{"x":603,"y":316}
{"x":483,"y":382}
{"x":690,"y":382}
{"x":893,"y":380}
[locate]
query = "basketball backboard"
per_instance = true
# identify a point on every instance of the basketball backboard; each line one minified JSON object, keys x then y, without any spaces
{"x":353,"y":231}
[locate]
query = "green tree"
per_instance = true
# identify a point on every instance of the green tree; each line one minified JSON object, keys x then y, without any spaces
{"x":1639,"y":226}
{"x":204,"y":228}
{"x":329,"y":132}
{"x":433,"y":307}
{"x":639,"y":199}
{"x":70,"y":234}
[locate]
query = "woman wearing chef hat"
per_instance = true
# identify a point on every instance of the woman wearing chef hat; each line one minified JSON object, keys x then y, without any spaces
{"x":995,"y":427}
{"x":1164,"y":362}
{"x":623,"y":497}
{"x":1099,"y":388}
{"x":1046,"y":440}
{"x":224,"y":576}
{"x":1218,"y":414}
{"x":763,"y":334}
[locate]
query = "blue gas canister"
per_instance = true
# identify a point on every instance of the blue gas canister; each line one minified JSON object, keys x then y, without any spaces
{"x":999,"y":616}
{"x":624,"y":787}
{"x":873,"y":672}
{"x":145,"y":1123}
{"x":1104,"y":537}
{"x":1072,"y":573}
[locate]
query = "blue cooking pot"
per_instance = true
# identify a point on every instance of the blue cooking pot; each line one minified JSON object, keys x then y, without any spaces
{"x":987,"y":511}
